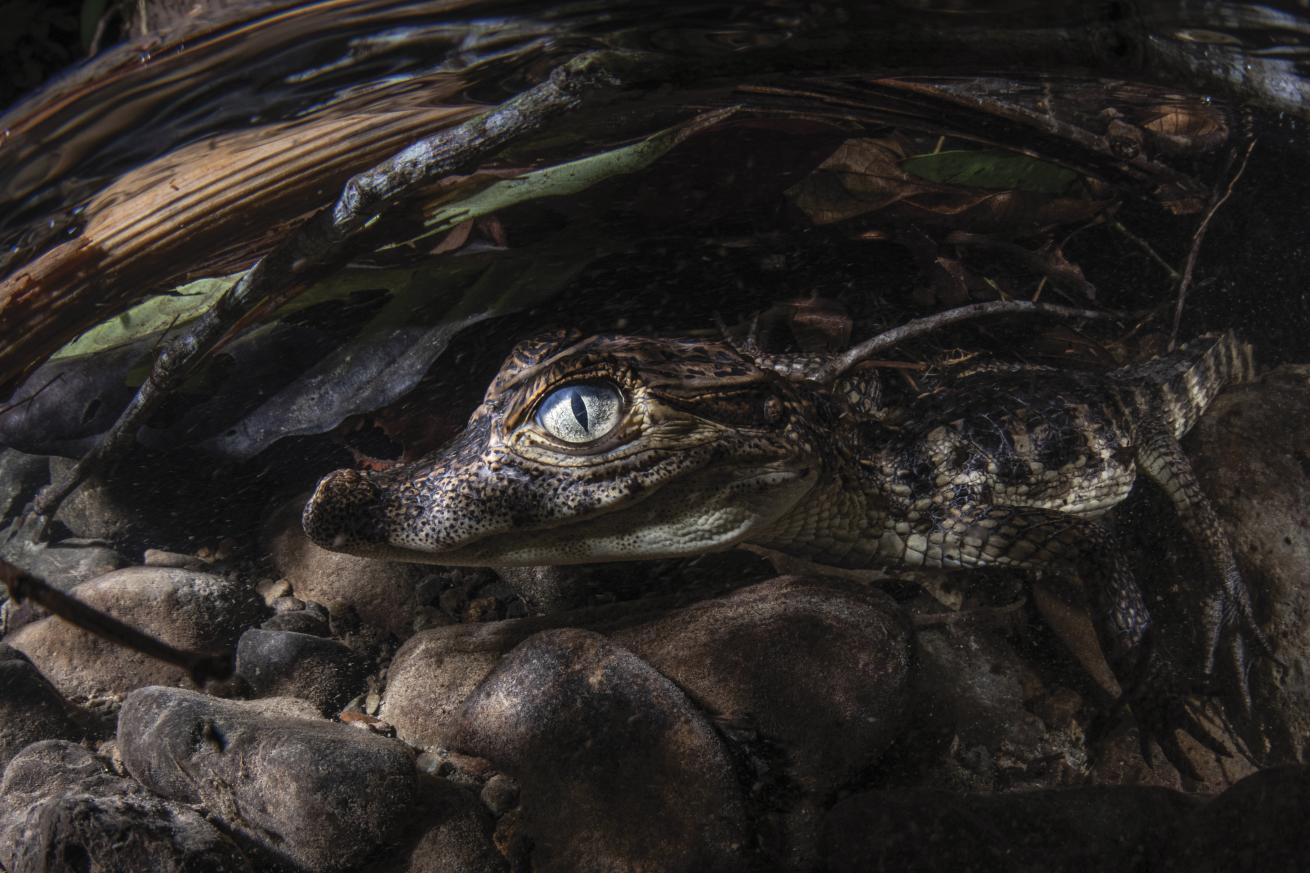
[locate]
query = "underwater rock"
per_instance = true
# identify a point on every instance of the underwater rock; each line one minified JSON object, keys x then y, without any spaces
{"x":750,"y":659}
{"x":433,"y":673}
{"x":316,"y":794}
{"x":62,"y":811}
{"x":64,"y":564}
{"x":166,"y":558}
{"x":500,"y":794}
{"x":746,"y":660}
{"x":617,"y":768}
{"x":753,"y":655}
{"x":454,"y":834}
{"x":973,"y":701}
{"x":1251,"y":456}
{"x":546,"y":589}
{"x":279,"y":663}
{"x":378,"y":593}
{"x":30,"y":707}
{"x":92,"y":510}
{"x":21,"y":477}
{"x":293,"y":614}
{"x":187,"y":609}
{"x":1048,"y":831}
{"x":1258,"y":824}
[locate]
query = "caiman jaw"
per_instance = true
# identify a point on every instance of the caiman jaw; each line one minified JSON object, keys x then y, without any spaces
{"x":343,"y":512}
{"x":694,"y":451}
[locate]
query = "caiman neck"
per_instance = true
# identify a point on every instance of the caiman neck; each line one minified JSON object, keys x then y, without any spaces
{"x":839,"y":523}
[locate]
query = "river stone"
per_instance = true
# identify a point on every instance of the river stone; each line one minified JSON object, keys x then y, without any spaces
{"x":1251,"y":455}
{"x":972,"y":693}
{"x":293,"y":614}
{"x":181,"y":560}
{"x":751,"y":658}
{"x":185,"y":608}
{"x":21,"y":477}
{"x":546,"y":588}
{"x":753,"y":655}
{"x":431,"y":676}
{"x":1258,"y":824}
{"x":92,"y":510}
{"x":64,"y":565}
{"x":315,"y":794}
{"x":30,"y":707}
{"x":617,"y":768}
{"x":454,"y":835}
{"x":287,"y":664}
{"x":500,"y":794}
{"x":747,"y":658}
{"x":62,"y":811}
{"x":1047,"y":831}
{"x":378,"y":593}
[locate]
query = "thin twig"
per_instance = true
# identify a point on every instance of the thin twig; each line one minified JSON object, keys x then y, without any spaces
{"x":31,"y":397}
{"x":201,"y":666}
{"x":1037,"y":295}
{"x":932,"y":323}
{"x":321,"y":241}
{"x":1216,"y":200}
{"x":1146,"y":247}
{"x":893,"y":365}
{"x":1044,"y":262}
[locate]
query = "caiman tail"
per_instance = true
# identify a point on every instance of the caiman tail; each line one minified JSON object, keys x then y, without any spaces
{"x":1187,"y":380}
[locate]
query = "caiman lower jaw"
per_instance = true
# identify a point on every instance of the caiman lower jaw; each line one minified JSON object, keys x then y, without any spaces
{"x":673,"y":522}
{"x":681,"y":519}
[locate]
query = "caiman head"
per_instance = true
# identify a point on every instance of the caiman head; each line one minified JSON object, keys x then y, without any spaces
{"x":600,"y":449}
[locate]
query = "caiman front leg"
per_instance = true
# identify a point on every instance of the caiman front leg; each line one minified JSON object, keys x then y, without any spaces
{"x":1048,"y":540}
{"x":1227,"y":619}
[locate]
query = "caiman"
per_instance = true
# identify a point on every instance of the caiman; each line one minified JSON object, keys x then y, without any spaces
{"x":618,"y":448}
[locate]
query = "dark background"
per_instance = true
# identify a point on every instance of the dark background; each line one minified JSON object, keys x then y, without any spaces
{"x":39,"y":38}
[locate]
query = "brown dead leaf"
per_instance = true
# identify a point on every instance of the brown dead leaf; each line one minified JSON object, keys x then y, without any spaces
{"x":454,"y":238}
{"x":367,"y":722}
{"x":863,"y":177}
{"x":490,"y":227}
{"x":820,"y":324}
{"x":187,"y":214}
{"x":1185,"y":128}
{"x":951,"y":280}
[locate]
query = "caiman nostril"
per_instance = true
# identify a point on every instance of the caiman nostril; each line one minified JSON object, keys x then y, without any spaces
{"x":341,"y":509}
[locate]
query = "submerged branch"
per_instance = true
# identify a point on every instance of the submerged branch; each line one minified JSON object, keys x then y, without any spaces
{"x":1217,"y":199}
{"x":202,"y":666}
{"x":932,"y":323}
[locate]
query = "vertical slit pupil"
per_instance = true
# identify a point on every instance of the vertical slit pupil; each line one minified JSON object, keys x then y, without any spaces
{"x":579,"y":409}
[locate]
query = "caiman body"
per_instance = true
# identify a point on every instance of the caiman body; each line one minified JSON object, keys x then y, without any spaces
{"x":705,"y":447}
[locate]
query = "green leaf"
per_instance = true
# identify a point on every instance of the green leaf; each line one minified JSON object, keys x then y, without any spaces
{"x":175,"y":309}
{"x":993,"y":169}
{"x":569,"y":178}
{"x":158,"y":313}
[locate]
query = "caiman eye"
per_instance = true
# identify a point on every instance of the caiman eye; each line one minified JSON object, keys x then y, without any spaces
{"x":581,"y":413}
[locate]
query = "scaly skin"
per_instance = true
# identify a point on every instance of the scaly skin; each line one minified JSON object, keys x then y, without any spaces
{"x":717,"y":447}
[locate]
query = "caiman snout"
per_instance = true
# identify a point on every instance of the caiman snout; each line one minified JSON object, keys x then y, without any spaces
{"x":345,"y":511}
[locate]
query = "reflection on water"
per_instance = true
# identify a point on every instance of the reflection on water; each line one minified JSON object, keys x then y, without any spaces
{"x":326,"y":89}
{"x":329,"y":59}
